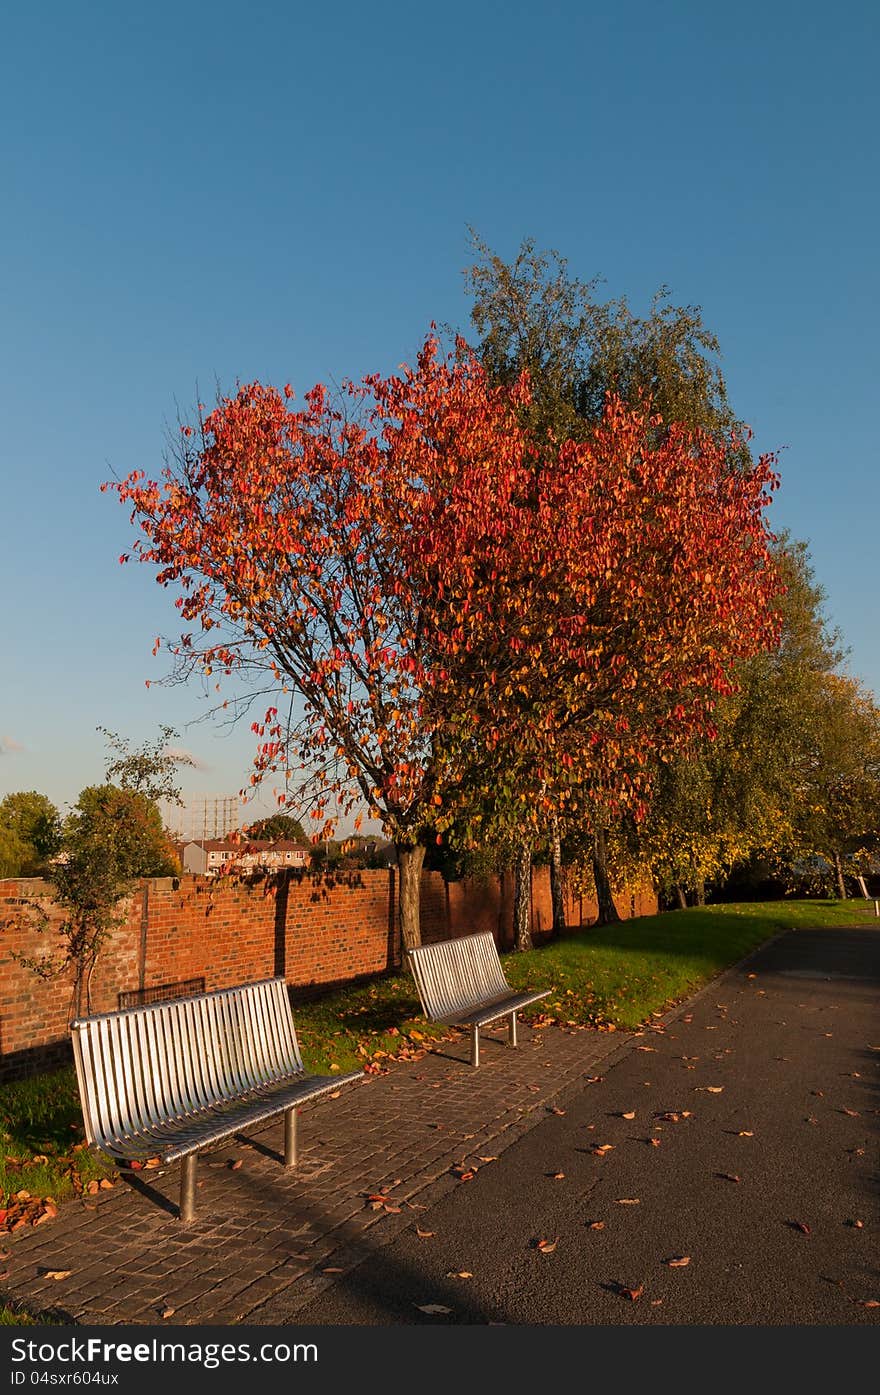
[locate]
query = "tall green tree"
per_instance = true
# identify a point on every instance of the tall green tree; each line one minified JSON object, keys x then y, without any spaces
{"x":789,"y":774}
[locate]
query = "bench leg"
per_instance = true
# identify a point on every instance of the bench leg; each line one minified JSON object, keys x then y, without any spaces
{"x":188,"y":1187}
{"x":511,"y":1031}
{"x":290,"y":1138}
{"x":475,"y":1046}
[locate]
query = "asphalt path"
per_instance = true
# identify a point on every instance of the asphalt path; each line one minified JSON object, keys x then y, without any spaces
{"x":724,"y":1171}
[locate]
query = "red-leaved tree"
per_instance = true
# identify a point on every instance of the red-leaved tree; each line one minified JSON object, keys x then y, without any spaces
{"x":432,"y":601}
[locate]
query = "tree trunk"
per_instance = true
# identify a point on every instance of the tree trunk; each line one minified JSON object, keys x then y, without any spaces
{"x":522,"y":898}
{"x":409,"y":864}
{"x":557,"y":897}
{"x":607,"y":909}
{"x":699,"y":891}
{"x":838,"y":872}
{"x":680,"y":897}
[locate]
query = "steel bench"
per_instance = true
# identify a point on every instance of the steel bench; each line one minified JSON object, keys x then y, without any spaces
{"x":167,"y":1080}
{"x":461,"y":983}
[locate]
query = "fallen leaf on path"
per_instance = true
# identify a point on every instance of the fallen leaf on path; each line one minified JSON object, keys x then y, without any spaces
{"x":425,"y":1234}
{"x":332,"y":1269}
{"x":710,"y":1089}
{"x":167,"y":1312}
{"x":57,"y":1273}
{"x":728,"y":1176}
{"x":653,"y":1142}
{"x":600,"y":1149}
{"x":852,"y":1113}
{"x":547,"y":1246}
{"x":746,"y":1133}
{"x":431,"y":1308}
{"x":856,"y":1225}
{"x":597,"y":1079}
{"x":631,"y":1293}
{"x":464,"y":1174}
{"x":490,"y":1157}
{"x":801,"y":1226}
{"x":554,"y":1109}
{"x":630,"y":1114}
{"x":596,"y":1225}
{"x":678,"y":1262}
{"x":867,"y":1302}
{"x":459,"y":1274}
{"x":235,"y":1165}
{"x":628,"y":1201}
{"x":556,"y":1176}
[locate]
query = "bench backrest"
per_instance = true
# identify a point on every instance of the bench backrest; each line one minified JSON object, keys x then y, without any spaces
{"x":456,"y":975}
{"x":146,"y":1065}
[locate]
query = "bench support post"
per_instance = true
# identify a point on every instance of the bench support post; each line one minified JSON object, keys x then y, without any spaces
{"x":290,"y":1138}
{"x":475,"y":1046}
{"x":188,"y":1187}
{"x":511,"y":1031}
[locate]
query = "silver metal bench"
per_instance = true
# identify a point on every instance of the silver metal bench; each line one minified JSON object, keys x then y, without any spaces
{"x":167,"y":1080}
{"x":461,"y":983}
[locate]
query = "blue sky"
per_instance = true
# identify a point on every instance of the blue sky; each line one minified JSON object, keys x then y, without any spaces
{"x":195,"y":194}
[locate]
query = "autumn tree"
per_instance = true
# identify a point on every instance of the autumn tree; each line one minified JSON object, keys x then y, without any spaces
{"x":289,"y":535}
{"x":597,"y":602}
{"x":423,"y":582}
{"x":531,"y":314}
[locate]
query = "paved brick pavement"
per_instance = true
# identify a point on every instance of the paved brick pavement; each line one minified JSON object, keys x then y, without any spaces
{"x":264,"y":1241}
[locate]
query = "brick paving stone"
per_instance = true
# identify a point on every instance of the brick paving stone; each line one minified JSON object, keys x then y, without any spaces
{"x":262,"y":1236}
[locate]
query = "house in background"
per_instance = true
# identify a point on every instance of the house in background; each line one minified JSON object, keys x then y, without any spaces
{"x":208,"y":857}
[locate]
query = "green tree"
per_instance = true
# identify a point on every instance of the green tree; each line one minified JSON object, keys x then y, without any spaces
{"x":111,"y":838}
{"x":29,"y":833}
{"x":788,"y":774}
{"x":278,"y":826}
{"x":837,"y":778}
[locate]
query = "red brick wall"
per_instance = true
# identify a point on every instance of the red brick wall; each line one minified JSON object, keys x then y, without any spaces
{"x":315,"y":930}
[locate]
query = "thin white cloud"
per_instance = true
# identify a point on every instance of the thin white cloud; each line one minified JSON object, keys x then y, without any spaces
{"x":184,"y":757}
